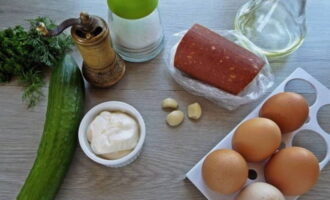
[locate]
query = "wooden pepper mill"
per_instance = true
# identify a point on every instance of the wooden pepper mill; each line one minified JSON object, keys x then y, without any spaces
{"x":102,"y":67}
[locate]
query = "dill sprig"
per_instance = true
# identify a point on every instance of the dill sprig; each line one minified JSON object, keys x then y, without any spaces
{"x":26,"y":54}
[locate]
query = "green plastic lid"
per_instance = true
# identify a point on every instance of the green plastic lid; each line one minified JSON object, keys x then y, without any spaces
{"x":132,"y":9}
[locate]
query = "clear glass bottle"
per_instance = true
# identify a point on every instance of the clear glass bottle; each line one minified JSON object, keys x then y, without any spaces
{"x":276,"y":27}
{"x":135,"y":28}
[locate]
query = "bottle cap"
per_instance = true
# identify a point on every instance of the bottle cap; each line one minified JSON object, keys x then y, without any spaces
{"x":132,"y":9}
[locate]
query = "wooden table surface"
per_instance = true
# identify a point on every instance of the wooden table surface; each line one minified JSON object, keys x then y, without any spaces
{"x":159,"y":173}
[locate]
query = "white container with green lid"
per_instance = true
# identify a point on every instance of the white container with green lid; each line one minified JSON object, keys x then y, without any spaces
{"x":136,"y":29}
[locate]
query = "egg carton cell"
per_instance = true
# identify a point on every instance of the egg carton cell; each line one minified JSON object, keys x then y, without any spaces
{"x":323,"y":116}
{"x":302,"y":87}
{"x":311,"y":141}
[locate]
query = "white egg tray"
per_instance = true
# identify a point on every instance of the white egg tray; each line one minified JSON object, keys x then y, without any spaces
{"x":323,"y":98}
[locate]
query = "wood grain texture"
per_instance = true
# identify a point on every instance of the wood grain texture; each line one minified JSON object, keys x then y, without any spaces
{"x":168,"y":152}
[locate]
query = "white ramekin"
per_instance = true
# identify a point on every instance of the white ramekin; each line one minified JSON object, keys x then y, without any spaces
{"x":111,"y":106}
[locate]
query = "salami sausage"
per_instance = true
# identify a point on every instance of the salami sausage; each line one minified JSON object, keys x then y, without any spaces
{"x":213,"y":59}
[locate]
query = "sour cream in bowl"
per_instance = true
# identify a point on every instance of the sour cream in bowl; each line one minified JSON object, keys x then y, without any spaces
{"x":112,"y":134}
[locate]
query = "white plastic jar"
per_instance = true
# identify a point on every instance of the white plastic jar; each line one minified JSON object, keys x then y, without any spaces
{"x":136,"y":29}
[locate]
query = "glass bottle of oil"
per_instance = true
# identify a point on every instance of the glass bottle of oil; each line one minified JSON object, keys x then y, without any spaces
{"x":276,"y":27}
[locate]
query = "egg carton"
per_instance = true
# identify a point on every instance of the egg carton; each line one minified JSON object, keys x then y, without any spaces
{"x":323,"y":98}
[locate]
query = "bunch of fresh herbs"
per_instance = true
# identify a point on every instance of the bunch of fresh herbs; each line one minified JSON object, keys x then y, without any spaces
{"x":25,"y":54}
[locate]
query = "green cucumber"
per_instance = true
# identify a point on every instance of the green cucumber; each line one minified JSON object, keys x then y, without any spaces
{"x":59,"y":139}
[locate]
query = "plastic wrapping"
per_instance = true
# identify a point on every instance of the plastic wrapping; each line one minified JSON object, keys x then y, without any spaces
{"x":252,"y":92}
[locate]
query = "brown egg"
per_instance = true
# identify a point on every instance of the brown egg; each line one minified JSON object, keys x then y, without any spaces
{"x":256,"y":139}
{"x":224,"y":171}
{"x":293,"y":170}
{"x":287,"y":109}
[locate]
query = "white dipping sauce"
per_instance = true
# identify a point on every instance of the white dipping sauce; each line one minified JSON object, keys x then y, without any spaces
{"x":113,"y":135}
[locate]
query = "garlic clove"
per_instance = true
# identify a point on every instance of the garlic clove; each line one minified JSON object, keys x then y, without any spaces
{"x":194,"y":111}
{"x":175,"y":118}
{"x":170,"y":103}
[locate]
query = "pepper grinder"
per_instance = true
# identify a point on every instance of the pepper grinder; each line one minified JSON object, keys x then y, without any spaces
{"x":102,"y":67}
